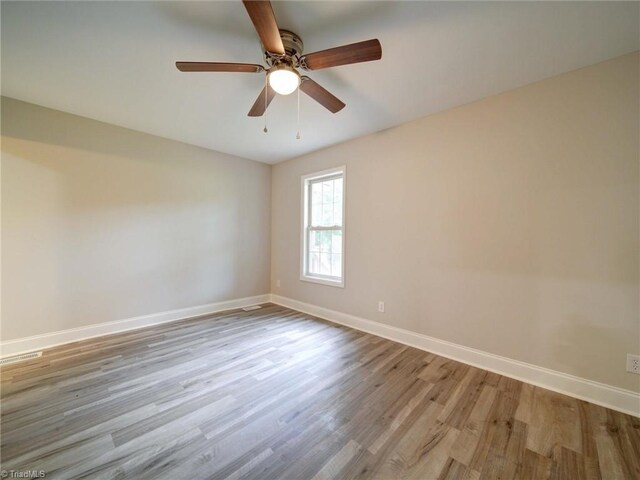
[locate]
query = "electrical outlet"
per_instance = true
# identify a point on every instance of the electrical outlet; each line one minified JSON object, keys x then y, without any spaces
{"x":633,"y":363}
{"x":278,"y":283}
{"x":381,"y":307}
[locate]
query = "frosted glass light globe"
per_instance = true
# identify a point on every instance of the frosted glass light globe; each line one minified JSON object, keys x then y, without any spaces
{"x":284,"y":80}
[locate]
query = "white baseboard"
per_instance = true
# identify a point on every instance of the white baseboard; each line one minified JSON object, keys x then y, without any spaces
{"x":47,"y":340}
{"x":608,"y":396}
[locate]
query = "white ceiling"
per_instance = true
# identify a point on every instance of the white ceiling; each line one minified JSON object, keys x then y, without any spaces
{"x":114,"y":62}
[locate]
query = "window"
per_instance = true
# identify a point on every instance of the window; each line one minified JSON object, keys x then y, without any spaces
{"x":322,"y":256}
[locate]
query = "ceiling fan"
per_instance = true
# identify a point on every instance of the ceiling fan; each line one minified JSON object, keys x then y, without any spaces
{"x":283,"y":55}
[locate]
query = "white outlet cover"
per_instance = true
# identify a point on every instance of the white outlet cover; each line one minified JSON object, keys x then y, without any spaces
{"x":381,"y":307}
{"x":633,"y":363}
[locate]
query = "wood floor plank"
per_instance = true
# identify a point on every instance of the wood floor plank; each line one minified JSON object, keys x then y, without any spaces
{"x":276,"y":394}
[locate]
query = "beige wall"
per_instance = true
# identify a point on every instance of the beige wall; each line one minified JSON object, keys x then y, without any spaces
{"x":510,"y":225}
{"x":100,"y":223}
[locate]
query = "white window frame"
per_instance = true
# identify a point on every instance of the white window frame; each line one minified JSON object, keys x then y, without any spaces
{"x":305,"y":209}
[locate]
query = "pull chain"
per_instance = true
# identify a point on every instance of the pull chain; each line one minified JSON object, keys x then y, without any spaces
{"x":298,"y":119}
{"x":266,"y":92}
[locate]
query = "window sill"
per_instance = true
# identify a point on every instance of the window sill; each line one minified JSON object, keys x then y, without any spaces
{"x":322,"y":281}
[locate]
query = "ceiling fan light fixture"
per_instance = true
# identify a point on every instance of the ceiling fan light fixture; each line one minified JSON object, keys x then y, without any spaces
{"x":284,"y":79}
{"x":283,"y":52}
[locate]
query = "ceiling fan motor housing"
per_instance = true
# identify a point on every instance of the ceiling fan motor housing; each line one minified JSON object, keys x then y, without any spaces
{"x":292,"y":43}
{"x":293,"y":48}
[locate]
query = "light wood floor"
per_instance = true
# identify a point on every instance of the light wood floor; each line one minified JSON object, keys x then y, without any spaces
{"x":276,"y":394}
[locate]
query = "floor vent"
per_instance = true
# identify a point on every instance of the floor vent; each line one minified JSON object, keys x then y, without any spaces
{"x":252,"y":307}
{"x":20,"y":358}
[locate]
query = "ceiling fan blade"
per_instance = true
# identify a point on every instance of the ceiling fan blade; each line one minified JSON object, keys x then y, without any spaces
{"x":355,"y":53}
{"x":259,"y":106}
{"x":321,"y":95}
{"x":218,"y":67}
{"x":264,"y":21}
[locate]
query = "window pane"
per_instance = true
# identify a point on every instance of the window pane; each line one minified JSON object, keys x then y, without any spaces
{"x":316,"y":214}
{"x":337,"y":214}
{"x":314,"y":241}
{"x":336,"y":241}
{"x":336,"y":265}
{"x":326,"y":203}
{"x":327,"y":191}
{"x":314,"y":263}
{"x":316,"y":193}
{"x":325,"y":264}
{"x":325,"y":242}
{"x":327,"y":215}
